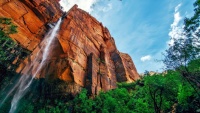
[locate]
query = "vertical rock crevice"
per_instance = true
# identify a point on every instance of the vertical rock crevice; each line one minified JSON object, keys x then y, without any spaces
{"x":119,"y":67}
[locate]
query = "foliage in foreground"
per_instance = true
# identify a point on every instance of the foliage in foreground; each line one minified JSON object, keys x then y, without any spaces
{"x":186,"y":49}
{"x":157,"y":93}
{"x":152,"y":94}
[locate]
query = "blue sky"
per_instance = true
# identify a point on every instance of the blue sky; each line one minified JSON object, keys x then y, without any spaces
{"x":140,"y":28}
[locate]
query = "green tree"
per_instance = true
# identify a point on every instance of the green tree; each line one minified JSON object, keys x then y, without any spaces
{"x":82,"y":104}
{"x":6,"y":45}
{"x":187,"y":49}
{"x":192,"y":24}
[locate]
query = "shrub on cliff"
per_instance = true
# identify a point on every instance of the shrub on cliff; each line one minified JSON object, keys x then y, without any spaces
{"x":6,"y":43}
{"x":9,"y":49}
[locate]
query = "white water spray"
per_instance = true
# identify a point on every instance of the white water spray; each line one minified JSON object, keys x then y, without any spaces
{"x":26,"y":79}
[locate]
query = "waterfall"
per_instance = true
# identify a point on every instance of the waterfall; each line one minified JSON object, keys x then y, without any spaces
{"x":26,"y":79}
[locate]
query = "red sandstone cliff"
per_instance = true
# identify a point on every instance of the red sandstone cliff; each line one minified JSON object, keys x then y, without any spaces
{"x":84,"y":55}
{"x":31,"y":17}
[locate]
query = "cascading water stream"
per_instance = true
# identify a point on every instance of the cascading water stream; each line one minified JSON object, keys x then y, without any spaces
{"x":26,"y":79}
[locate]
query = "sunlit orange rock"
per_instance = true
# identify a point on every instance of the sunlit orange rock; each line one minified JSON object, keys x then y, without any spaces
{"x":84,"y":53}
{"x":31,"y":17}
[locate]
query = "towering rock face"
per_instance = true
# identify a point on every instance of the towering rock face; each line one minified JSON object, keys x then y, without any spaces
{"x":84,"y":54}
{"x":91,"y":48}
{"x":31,"y":17}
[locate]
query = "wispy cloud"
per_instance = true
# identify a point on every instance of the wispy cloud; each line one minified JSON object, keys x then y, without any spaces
{"x":177,"y":7}
{"x":104,"y":8}
{"x":87,"y":5}
{"x":145,"y":58}
{"x":176,"y":29}
{"x":83,"y":4}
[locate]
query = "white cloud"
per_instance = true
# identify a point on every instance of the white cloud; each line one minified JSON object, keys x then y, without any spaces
{"x":176,"y":29}
{"x":104,"y":7}
{"x":145,"y":58}
{"x":87,"y":5}
{"x":177,"y":7}
{"x":83,"y":4}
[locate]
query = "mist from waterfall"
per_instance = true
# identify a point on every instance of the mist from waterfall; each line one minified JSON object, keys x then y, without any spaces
{"x":22,"y":86}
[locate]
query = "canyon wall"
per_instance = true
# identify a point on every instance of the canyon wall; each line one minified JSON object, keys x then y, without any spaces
{"x":31,"y":17}
{"x":84,"y":53}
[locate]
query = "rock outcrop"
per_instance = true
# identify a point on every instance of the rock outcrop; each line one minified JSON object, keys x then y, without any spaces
{"x":84,"y":53}
{"x":31,"y":17}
